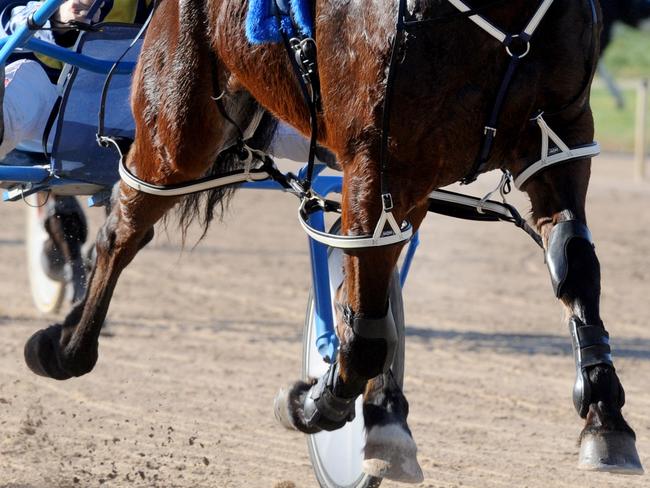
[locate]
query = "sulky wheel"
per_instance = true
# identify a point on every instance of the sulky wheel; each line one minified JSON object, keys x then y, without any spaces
{"x":47,"y":294}
{"x":337,"y":457}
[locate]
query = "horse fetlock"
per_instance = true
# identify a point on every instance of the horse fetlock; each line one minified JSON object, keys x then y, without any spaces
{"x":46,"y":355}
{"x":323,"y":408}
{"x":42,"y":353}
{"x":370,"y":346}
{"x":558,"y":258}
{"x":313,"y":407}
{"x":607,"y":443}
{"x":596,"y":378}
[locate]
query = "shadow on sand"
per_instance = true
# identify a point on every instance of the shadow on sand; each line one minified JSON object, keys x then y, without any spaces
{"x":553,"y":345}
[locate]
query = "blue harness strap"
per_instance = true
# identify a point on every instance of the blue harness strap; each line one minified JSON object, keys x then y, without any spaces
{"x":262,"y":22}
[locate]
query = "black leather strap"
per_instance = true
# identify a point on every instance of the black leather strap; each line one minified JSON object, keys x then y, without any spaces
{"x":303,"y":60}
{"x":322,"y":408}
{"x":490,"y":130}
{"x":49,"y":124}
{"x":557,"y":257}
{"x":590,"y":348}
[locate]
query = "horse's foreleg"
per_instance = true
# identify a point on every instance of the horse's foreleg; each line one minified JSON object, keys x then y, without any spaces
{"x":558,"y":202}
{"x":369,"y":339}
{"x":177,"y":138}
{"x":70,"y":349}
{"x":390,"y":451}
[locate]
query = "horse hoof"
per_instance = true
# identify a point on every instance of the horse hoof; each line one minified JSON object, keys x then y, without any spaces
{"x":288,"y":408}
{"x":391,"y":453}
{"x":42,"y":353}
{"x":611,"y":452}
{"x":281,"y":409}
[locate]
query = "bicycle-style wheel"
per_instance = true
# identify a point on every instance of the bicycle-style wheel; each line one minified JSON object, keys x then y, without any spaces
{"x":337,"y":457}
{"x":47,"y":294}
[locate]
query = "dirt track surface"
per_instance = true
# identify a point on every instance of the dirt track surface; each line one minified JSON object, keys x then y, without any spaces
{"x":201,"y":340}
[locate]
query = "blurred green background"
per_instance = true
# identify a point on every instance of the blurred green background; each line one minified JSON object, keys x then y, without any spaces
{"x":628,"y":60}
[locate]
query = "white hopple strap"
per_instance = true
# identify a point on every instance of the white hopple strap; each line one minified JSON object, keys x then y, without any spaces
{"x":497,"y":33}
{"x":552,"y":156}
{"x":380,"y":237}
{"x":249,"y":173}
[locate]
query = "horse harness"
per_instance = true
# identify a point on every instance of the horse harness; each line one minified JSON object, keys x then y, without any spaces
{"x":302,"y":54}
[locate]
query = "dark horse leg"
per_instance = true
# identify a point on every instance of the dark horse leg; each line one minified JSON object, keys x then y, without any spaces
{"x":390,"y":451}
{"x":368,"y":342}
{"x":607,"y":443}
{"x":66,"y":225}
{"x":177,"y":138}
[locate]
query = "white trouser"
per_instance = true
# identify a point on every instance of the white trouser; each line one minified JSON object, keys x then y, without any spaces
{"x":28,"y":102}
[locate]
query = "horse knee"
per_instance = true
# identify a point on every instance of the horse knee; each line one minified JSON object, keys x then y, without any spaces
{"x":107,"y":236}
{"x":147,"y":238}
{"x":114,"y":234}
{"x":370,"y":343}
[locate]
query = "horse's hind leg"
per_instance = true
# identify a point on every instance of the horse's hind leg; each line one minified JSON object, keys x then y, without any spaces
{"x":607,"y":443}
{"x":390,"y":451}
{"x":177,"y":137}
{"x":66,"y":225}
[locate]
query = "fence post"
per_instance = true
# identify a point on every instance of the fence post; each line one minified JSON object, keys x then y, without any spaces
{"x":641,"y":124}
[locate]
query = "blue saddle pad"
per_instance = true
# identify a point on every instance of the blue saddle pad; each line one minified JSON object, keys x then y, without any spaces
{"x":262,"y":23}
{"x":75,"y":151}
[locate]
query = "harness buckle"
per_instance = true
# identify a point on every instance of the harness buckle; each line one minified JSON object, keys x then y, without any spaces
{"x":493,"y":130}
{"x":305,"y":55}
{"x":387,"y":202}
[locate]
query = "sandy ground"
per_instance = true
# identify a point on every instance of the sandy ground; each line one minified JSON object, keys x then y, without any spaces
{"x":202,"y":339}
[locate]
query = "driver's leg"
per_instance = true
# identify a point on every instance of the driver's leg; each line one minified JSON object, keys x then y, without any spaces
{"x":29,"y":96}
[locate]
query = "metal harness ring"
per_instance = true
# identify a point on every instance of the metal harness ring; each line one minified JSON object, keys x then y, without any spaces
{"x":513,"y":55}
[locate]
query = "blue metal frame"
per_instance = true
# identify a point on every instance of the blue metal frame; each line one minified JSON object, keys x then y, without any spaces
{"x":41,"y":178}
{"x":22,"y":38}
{"x":327,"y":341}
{"x":24,"y":174}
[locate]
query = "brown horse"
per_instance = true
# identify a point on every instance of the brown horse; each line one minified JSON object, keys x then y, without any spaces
{"x":450,"y":70}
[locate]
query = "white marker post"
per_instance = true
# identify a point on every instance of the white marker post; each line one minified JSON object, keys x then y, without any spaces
{"x":641,"y":124}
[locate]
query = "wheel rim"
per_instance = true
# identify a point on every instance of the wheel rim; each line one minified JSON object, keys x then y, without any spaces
{"x":47,"y":294}
{"x":336,"y":456}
